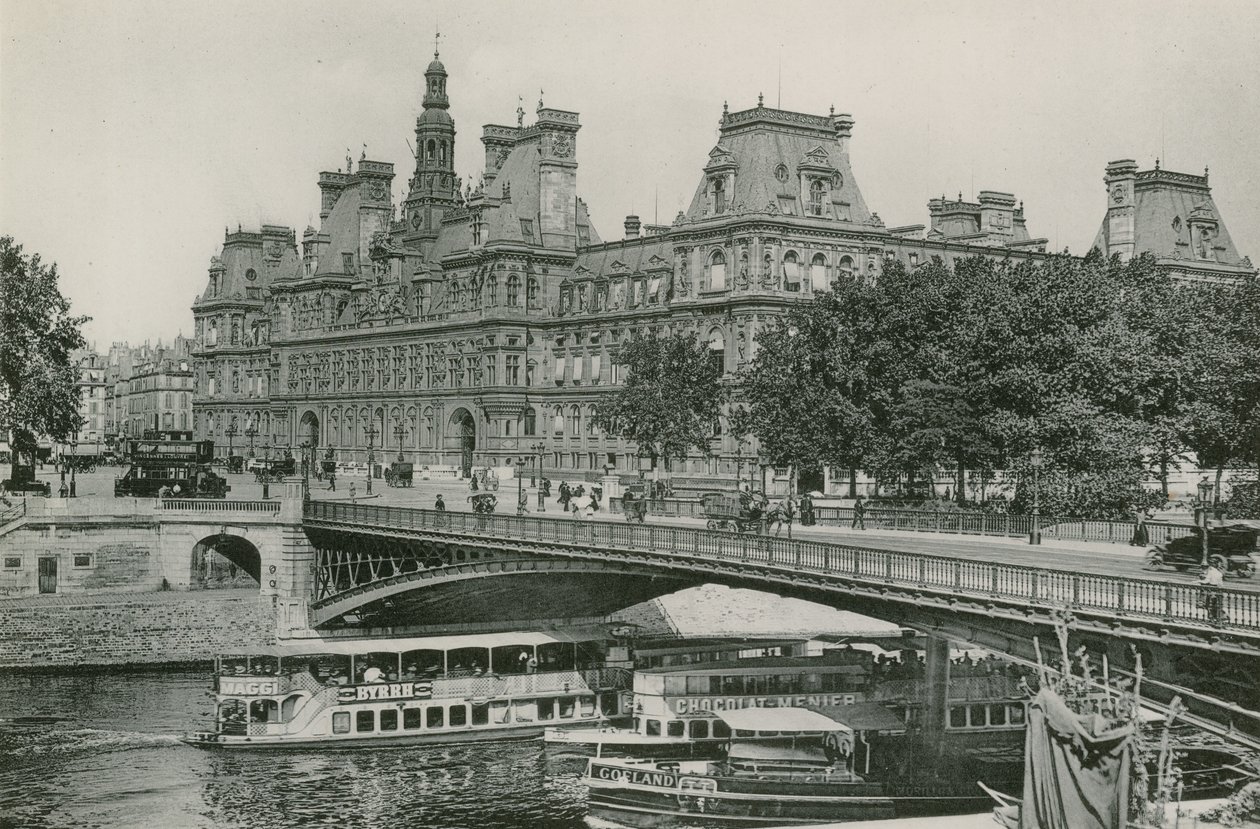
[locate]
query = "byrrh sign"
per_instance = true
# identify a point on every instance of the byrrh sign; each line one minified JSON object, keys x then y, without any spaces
{"x":385,"y":691}
{"x":692,"y":705}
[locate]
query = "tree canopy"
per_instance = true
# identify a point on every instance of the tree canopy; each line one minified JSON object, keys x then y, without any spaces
{"x":39,"y":394}
{"x":1107,"y":367}
{"x":672,"y":397}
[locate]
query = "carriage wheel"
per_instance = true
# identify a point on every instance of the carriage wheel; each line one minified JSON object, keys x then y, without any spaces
{"x":713,"y":525}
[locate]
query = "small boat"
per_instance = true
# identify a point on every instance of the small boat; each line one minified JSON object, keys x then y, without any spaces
{"x":786,"y":766}
{"x":337,"y":692}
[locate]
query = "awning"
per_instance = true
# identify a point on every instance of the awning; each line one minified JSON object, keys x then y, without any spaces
{"x":779,"y":719}
{"x":864,"y":716}
{"x":766,"y":752}
{"x":297,"y":647}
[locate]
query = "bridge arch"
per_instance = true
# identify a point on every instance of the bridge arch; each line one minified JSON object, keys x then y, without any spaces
{"x":219,"y":557}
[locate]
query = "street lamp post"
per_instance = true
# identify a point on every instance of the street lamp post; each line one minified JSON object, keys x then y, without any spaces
{"x":537,"y":449}
{"x":1035,"y":460}
{"x":251,"y":432}
{"x":520,"y":495}
{"x":306,"y":470}
{"x":400,"y":433}
{"x":74,"y":461}
{"x":231,"y":433}
{"x":371,"y":435}
{"x":1205,"y":499}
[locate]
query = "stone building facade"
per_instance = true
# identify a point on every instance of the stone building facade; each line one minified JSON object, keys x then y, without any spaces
{"x":479,"y":326}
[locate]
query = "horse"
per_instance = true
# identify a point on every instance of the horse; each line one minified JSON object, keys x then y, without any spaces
{"x":779,"y":513}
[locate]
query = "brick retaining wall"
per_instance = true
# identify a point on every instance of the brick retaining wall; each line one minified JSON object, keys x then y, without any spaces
{"x":132,"y":628}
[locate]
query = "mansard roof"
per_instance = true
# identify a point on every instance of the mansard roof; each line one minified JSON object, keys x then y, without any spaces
{"x":1165,"y":205}
{"x":253,"y":260}
{"x":636,"y":255}
{"x":769,"y":148}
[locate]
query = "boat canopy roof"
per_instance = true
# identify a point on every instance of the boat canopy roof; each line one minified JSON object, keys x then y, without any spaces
{"x":754,"y":752}
{"x":302,"y":647}
{"x":864,"y":716}
{"x":780,"y":719}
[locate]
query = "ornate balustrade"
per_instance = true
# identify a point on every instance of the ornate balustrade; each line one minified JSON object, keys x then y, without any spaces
{"x":1122,"y":597}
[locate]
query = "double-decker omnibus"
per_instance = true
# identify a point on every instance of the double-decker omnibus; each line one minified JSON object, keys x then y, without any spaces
{"x":180,"y":466}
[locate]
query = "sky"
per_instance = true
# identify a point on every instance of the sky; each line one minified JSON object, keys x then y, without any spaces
{"x":132,"y":133}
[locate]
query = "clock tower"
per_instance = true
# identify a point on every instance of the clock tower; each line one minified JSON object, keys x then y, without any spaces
{"x":434,"y":188}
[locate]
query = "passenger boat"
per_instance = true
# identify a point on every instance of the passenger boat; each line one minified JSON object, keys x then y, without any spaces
{"x":677,"y":709}
{"x":788,"y":766}
{"x":430,"y":690}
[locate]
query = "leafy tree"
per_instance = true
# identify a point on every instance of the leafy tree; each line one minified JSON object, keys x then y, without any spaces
{"x":814,"y":390}
{"x":39,"y":394}
{"x":672,"y":399}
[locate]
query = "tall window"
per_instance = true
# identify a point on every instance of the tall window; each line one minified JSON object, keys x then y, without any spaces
{"x":557,"y":421}
{"x":717,"y":350}
{"x":492,"y":287}
{"x":531,"y":292}
{"x":456,"y":297}
{"x":717,"y":271}
{"x":531,"y":421}
{"x":791,"y":271}
{"x":816,"y":192}
{"x":513,"y":290}
{"x":576,"y":414}
{"x":428,"y":426}
{"x":818,"y":273}
{"x":719,"y":195}
{"x":512,"y":369}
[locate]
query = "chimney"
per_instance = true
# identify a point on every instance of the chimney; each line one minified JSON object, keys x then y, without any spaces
{"x":997,"y":213}
{"x":1119,"y":232}
{"x":632,"y":227}
{"x":844,"y":130}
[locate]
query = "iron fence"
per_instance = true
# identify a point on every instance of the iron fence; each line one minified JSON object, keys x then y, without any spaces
{"x":1001,"y":525}
{"x":1121,"y":596}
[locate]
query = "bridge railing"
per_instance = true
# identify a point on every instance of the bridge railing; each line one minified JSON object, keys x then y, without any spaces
{"x":1002,"y":525}
{"x":1121,"y":596}
{"x":217,"y":505}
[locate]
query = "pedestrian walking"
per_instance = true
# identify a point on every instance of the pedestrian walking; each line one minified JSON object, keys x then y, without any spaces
{"x":439,"y":504}
{"x":472,"y":482}
{"x":564,"y":496}
{"x":859,"y":514}
{"x":332,"y":481}
{"x":352,"y":491}
{"x":1141,"y":536}
{"x":807,"y":510}
{"x":1210,"y":583}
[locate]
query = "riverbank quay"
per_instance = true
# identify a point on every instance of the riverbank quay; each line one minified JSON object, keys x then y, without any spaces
{"x":69,"y":631}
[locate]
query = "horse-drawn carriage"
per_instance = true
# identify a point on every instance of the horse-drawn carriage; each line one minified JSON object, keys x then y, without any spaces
{"x":273,"y":470}
{"x":738,"y":511}
{"x":483,"y":503}
{"x":399,"y":473}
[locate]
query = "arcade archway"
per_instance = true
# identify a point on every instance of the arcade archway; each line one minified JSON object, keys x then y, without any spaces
{"x":225,"y":561}
{"x":462,"y":438}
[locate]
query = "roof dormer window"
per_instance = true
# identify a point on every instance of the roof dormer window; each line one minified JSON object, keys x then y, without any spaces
{"x":817,"y":192}
{"x":719,"y":195}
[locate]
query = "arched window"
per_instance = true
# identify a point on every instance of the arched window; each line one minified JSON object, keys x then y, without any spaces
{"x":719,"y":195}
{"x":591,"y":429}
{"x":717,"y":350}
{"x":791,"y":271}
{"x":818,"y":273}
{"x":575,"y":415}
{"x":531,"y":292}
{"x":457,"y":298}
{"x":513,"y":290}
{"x":531,"y":421}
{"x":846,"y":266}
{"x":717,"y":271}
{"x":816,"y":192}
{"x":492,"y":289}
{"x":428,"y":426}
{"x":557,"y":421}
{"x":442,"y":153}
{"x":431,"y":150}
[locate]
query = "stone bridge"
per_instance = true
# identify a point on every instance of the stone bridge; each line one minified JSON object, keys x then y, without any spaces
{"x":388,"y":567}
{"x":101,"y":544}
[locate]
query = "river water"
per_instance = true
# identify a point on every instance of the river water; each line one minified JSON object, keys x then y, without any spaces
{"x":115,"y":762}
